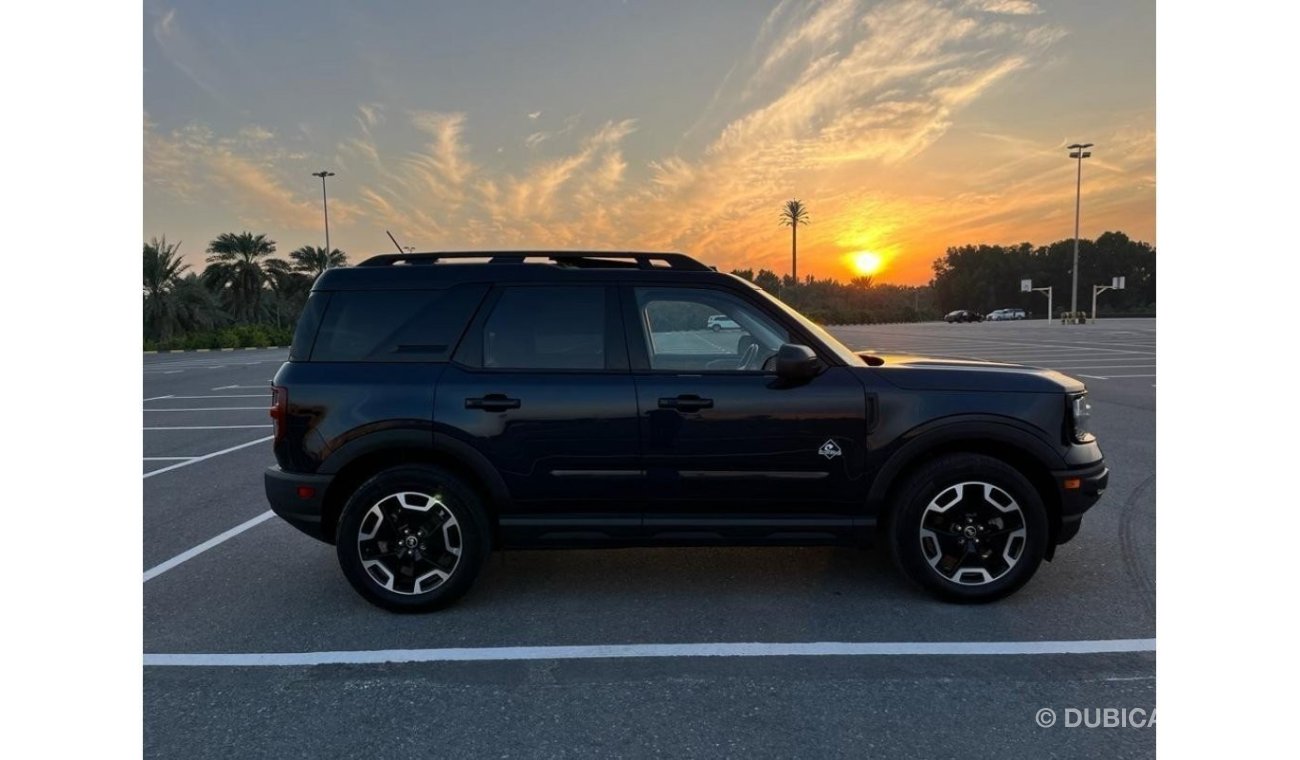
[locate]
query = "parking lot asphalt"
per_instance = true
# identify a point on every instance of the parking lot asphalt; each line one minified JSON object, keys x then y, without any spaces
{"x":269,"y":589}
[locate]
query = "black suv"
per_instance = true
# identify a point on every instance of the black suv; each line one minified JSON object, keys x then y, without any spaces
{"x":437,"y":406}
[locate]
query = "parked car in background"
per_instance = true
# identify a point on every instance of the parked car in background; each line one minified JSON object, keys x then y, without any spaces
{"x":722,"y":322}
{"x":962,"y":315}
{"x":1001,"y":315}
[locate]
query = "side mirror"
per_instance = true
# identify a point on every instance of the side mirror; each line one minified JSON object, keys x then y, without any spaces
{"x":796,"y":363}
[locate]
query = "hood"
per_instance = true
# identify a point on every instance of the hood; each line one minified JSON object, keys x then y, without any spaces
{"x":924,"y":373}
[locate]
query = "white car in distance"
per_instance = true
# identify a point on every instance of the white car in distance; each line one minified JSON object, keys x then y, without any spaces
{"x":719,"y":322}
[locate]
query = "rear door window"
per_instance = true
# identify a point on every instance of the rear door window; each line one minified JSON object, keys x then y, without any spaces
{"x":547,"y":328}
{"x":395,"y":326}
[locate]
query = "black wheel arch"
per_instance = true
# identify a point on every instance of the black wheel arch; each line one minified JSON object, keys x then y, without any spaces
{"x":1003,"y":438}
{"x":361,"y":459}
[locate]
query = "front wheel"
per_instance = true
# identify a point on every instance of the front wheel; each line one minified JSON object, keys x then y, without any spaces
{"x":968,"y":528}
{"x":413,"y":538}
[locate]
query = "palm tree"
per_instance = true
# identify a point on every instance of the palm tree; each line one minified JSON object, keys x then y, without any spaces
{"x":288,"y":288}
{"x":162,"y":270}
{"x":238,"y":267}
{"x":793,"y":214}
{"x":195,"y":306}
{"x":313,"y":259}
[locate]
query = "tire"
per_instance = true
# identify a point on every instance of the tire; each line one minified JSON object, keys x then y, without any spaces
{"x":428,"y":538}
{"x":716,"y":328}
{"x":985,"y":551}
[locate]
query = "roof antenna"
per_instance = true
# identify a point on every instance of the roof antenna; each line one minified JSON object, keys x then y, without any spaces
{"x":390,"y":237}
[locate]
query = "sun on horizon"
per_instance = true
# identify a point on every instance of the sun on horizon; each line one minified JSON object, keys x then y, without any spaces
{"x":867,"y":263}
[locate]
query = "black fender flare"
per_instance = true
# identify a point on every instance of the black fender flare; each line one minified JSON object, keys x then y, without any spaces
{"x":421,"y":441}
{"x":373,"y":438}
{"x":962,"y":429}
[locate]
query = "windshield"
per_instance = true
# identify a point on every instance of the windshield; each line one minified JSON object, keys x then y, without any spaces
{"x":844,"y":353}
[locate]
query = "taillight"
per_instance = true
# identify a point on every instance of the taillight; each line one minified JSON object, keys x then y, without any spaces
{"x":279,"y":408}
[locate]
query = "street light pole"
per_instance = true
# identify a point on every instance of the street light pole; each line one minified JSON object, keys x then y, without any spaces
{"x":1078,"y":154}
{"x":326,"y":204}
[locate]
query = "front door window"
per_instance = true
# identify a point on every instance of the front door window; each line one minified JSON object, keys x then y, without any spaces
{"x":697,"y":330}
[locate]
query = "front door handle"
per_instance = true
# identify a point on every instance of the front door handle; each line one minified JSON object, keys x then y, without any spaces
{"x":686,"y":403}
{"x":493,"y":402}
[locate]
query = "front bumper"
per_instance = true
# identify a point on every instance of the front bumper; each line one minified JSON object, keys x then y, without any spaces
{"x":299,"y":499}
{"x":1078,"y":490}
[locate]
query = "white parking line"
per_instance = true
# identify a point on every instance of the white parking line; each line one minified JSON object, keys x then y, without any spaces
{"x":213,"y":409}
{"x":185,"y":556}
{"x":989,"y":350}
{"x":238,"y":395}
{"x":166,"y":459}
{"x":1094,"y":361}
{"x":207,"y":427}
{"x":157,"y":398}
{"x":611,"y":651}
{"x":994,"y":344}
{"x":1110,"y":360}
{"x":206,"y":457}
{"x":1104,"y":366}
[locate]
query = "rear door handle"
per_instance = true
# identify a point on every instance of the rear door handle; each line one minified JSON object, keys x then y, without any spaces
{"x":686,"y":403}
{"x":493,"y":402}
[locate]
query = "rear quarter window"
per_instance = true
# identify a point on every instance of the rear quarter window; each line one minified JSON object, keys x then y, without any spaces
{"x":305,"y":333}
{"x":394,"y":326}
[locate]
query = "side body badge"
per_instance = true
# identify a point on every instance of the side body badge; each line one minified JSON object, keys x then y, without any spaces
{"x":830,"y":449}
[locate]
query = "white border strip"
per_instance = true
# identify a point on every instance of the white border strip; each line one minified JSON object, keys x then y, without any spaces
{"x":793,"y":649}
{"x":158,"y":570}
{"x":205,"y":457}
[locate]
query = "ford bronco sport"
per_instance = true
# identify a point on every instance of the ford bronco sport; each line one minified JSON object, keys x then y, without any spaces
{"x":437,"y":406}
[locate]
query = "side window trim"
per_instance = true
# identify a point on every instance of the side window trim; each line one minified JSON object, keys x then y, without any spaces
{"x":638,"y":349}
{"x":469,"y":353}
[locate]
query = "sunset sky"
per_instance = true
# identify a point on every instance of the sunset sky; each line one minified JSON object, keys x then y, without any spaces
{"x":905,"y":127}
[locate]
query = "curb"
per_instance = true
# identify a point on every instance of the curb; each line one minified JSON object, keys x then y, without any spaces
{"x":209,"y":350}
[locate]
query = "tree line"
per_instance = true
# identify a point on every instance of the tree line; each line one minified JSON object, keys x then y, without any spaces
{"x":861,"y":300}
{"x":244,"y":296}
{"x":247,"y":296}
{"x":983,"y":278}
{"x":987,"y":277}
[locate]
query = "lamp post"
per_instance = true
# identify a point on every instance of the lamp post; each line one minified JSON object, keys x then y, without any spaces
{"x":1078,"y":153}
{"x":326,"y":204}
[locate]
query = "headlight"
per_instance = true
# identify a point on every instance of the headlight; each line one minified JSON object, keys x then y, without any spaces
{"x":1081,"y":417}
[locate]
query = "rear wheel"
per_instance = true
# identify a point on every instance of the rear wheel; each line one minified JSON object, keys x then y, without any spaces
{"x":968,"y":528}
{"x":413,"y":538}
